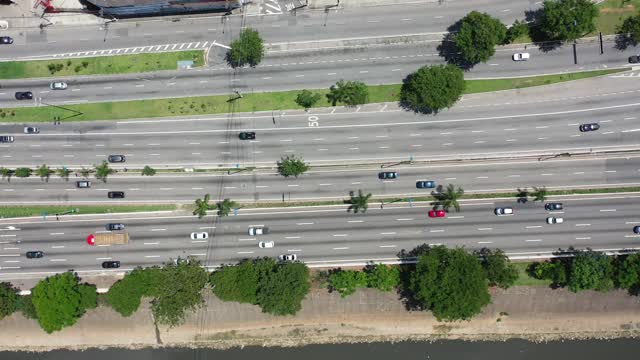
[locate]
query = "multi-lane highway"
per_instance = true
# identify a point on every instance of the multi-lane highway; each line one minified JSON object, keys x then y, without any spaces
{"x":504,"y":176}
{"x":310,"y":69}
{"x":320,"y":235}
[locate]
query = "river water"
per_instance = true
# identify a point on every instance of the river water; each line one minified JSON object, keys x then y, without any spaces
{"x":442,"y":350}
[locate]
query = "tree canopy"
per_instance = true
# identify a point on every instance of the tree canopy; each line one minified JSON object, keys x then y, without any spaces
{"x":359,"y":203}
{"x":628,"y":275}
{"x":8,"y":299}
{"x":124,"y":296}
{"x":478,"y":36}
{"x":347,"y":281}
{"x":236,"y":283}
{"x":499,"y":270}
{"x":59,"y":301}
{"x":307,"y":99}
{"x":225,"y":206}
{"x":248,"y":49}
{"x":450,"y":282}
{"x":567,"y":19}
{"x":449,"y":197}
{"x":383,"y":277}
{"x":102,"y":171}
{"x":591,"y":270}
{"x":432,"y":88}
{"x":291,"y":165}
{"x":350,"y":93}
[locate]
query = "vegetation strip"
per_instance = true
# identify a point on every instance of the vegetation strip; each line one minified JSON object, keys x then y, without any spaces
{"x":99,"y":65}
{"x":252,"y":102}
{"x":26,"y":211}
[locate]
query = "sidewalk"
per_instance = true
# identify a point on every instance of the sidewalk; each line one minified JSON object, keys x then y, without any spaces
{"x":536,"y":313}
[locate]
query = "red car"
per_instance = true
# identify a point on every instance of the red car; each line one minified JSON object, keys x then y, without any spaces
{"x":436,"y":213}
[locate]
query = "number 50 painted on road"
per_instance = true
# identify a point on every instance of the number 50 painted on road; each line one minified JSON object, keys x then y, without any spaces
{"x":313,"y":121}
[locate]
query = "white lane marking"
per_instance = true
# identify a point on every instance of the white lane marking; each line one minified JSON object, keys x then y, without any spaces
{"x":325,"y":184}
{"x":607,"y":210}
{"x":12,"y":248}
{"x":388,"y":233}
{"x":632,"y":222}
{"x":199,"y":241}
{"x":534,"y":226}
{"x":610,"y":171}
{"x":304,"y":223}
{"x":450,"y":178}
{"x":354,"y":148}
{"x":436,"y":231}
{"x":485,"y":242}
{"x":151,"y":243}
{"x":293,"y":185}
{"x":197,"y":254}
{"x":547,"y":174}
{"x":407,"y":219}
{"x":340,"y":235}
{"x":584,"y":238}
{"x":358,"y":182}
{"x":245,"y":252}
{"x":104,"y":258}
{"x":355,"y":221}
{"x":56,"y":233}
{"x":8,"y":235}
{"x":341,"y":248}
{"x":58,"y":247}
{"x":541,"y":127}
{"x":292,"y":237}
{"x":247,"y":239}
{"x":387,"y":246}
{"x":158,"y":229}
{"x":261,"y":186}
{"x":533,"y":240}
{"x":583,"y":224}
{"x":514,"y":176}
{"x":457,"y":217}
{"x":482,"y":177}
{"x":207,"y":227}
{"x":294,"y":250}
{"x":578,"y":173}
{"x":485,"y":229}
{"x":57,"y":260}
{"x":152,"y":256}
{"x":627,"y":236}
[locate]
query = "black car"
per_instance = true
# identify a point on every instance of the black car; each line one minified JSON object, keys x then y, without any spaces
{"x":387,"y":175}
{"x":111,"y":264}
{"x":116,"y":194}
{"x":636,"y":229}
{"x":24,"y":95}
{"x":553,"y":206}
{"x":116,"y":158}
{"x":247,"y":136}
{"x":634,"y":59}
{"x":6,"y":139}
{"x":34,"y":254}
{"x":6,"y":40}
{"x":589,"y":127}
{"x":425,"y":184}
{"x":114,"y":226}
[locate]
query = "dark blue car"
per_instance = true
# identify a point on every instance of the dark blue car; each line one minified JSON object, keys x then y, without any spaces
{"x":425,"y":184}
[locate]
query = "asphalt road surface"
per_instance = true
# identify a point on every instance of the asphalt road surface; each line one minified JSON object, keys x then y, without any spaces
{"x":314,"y":69}
{"x":319,"y":236}
{"x":329,"y":184}
{"x":543,"y":120}
{"x":305,"y":26}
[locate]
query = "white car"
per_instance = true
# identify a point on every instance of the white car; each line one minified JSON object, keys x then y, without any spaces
{"x":253,"y":231}
{"x":554,"y":220}
{"x":288,"y":257}
{"x":266,"y":244}
{"x":58,"y":85}
{"x":199,"y":236}
{"x":31,"y":130}
{"x":4,"y":25}
{"x":503,"y":211}
{"x":521,"y":57}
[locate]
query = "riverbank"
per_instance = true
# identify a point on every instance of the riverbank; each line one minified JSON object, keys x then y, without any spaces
{"x":533,"y":313}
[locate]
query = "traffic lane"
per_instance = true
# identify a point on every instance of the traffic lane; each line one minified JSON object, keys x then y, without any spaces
{"x":426,"y":136}
{"x":492,"y":176}
{"x":304,"y":26}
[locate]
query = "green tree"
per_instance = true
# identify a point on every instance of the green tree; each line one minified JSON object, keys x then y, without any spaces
{"x":359,"y":203}
{"x":499,"y":270}
{"x":351,"y":93}
{"x":291,"y":165}
{"x":281,"y":292}
{"x":85,"y":172}
{"x":148,"y":171}
{"x":346,"y":282}
{"x":248,"y":49}
{"x":556,"y":271}
{"x":383,"y":277}
{"x":23,"y":172}
{"x":58,"y":301}
{"x":628,"y":275}
{"x":236,"y":283}
{"x":88,"y":296}
{"x":432,"y":88}
{"x":307,"y":99}
{"x":449,"y":198}
{"x":26,"y":307}
{"x":202,"y":205}
{"x":102,"y":171}
{"x":63,"y":172}
{"x":125,"y":295}
{"x":450,"y":282}
{"x":179,"y":291}
{"x":591,"y":270}
{"x":517,"y":30}
{"x":567,"y":19}
{"x":478,"y":36}
{"x":540,"y":193}
{"x":44,"y":172}
{"x":631,"y":29}
{"x":6,"y":173}
{"x":225,"y":206}
{"x":8,"y":299}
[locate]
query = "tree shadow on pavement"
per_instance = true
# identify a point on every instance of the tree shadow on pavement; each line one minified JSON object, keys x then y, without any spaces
{"x":538,"y":37}
{"x":448,"y":50}
{"x":406,"y":268}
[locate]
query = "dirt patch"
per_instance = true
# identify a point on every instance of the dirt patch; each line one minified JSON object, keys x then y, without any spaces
{"x":623,"y":10}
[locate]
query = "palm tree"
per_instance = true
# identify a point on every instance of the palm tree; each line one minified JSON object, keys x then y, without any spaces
{"x":225,"y":206}
{"x":63,"y":173}
{"x":6,"y":173}
{"x":202,"y":205}
{"x":102,"y":171}
{"x":449,"y":198}
{"x":44,"y":172}
{"x":540,"y":194}
{"x":359,"y":203}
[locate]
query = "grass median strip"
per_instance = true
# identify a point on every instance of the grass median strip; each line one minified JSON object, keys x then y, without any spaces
{"x":250,"y":102}
{"x":25,"y":211}
{"x":100,"y":65}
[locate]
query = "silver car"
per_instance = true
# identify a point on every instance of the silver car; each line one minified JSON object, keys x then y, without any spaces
{"x":253,"y":231}
{"x":288,"y":257}
{"x":58,"y":85}
{"x":31,"y":130}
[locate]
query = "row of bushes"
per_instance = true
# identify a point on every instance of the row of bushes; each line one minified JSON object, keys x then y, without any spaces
{"x":45,"y":172}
